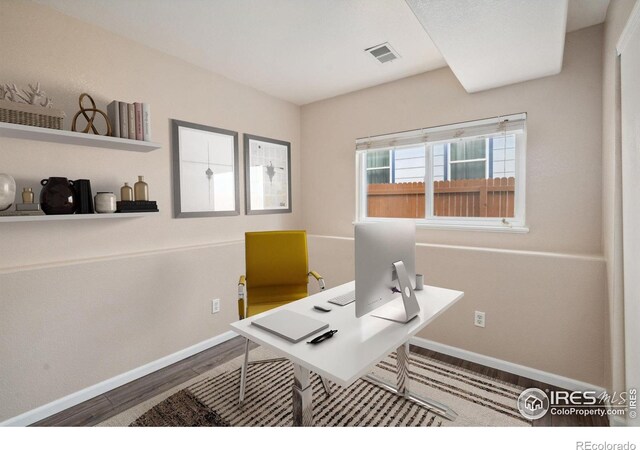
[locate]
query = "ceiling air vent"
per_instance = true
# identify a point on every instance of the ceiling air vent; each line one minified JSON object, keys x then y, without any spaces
{"x":383,"y":52}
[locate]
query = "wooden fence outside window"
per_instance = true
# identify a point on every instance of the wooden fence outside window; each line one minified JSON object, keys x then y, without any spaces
{"x":484,"y":197}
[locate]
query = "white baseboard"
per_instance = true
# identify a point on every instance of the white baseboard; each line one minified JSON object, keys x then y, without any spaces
{"x":517,"y":369}
{"x":70,"y":400}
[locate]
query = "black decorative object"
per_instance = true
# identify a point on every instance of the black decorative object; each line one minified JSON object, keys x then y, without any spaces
{"x":83,"y":198}
{"x":57,"y":196}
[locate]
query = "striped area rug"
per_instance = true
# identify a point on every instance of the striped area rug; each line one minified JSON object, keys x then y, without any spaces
{"x":478,"y":400}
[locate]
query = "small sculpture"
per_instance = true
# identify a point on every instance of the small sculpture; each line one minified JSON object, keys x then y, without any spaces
{"x":34,"y":96}
{"x":90,"y":127}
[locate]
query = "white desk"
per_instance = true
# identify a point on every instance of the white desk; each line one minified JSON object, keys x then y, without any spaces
{"x":359,"y":344}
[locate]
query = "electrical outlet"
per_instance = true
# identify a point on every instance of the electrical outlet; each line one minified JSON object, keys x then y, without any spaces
{"x":215,"y":306}
{"x":479,"y":319}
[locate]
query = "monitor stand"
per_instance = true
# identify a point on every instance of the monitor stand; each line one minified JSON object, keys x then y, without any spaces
{"x":396,"y":310}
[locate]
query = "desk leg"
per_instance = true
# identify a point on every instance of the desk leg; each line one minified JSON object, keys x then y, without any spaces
{"x":402,"y":386}
{"x":326,"y":386}
{"x":243,"y":372}
{"x":302,"y":397}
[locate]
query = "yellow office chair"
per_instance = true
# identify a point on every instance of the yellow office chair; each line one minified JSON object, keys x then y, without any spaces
{"x":277,"y":273}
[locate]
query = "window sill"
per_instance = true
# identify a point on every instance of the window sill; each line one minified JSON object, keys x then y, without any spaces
{"x":449,"y":226}
{"x":470,"y":227}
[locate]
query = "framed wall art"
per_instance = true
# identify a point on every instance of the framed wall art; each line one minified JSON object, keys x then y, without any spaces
{"x":205,"y":171}
{"x":267,"y":175}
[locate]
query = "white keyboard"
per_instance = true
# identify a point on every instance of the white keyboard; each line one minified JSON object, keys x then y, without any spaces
{"x":344,"y":299}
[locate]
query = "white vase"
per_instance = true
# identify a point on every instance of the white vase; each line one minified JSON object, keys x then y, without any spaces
{"x":7,"y":191}
{"x":105,"y":202}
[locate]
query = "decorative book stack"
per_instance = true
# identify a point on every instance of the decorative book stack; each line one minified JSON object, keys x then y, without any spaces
{"x":136,"y":206}
{"x":130,"y":120}
{"x":33,"y":208}
{"x":23,"y":209}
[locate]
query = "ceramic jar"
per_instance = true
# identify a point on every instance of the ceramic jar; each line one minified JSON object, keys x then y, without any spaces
{"x":57,"y":196}
{"x":7,"y":191}
{"x":105,"y":202}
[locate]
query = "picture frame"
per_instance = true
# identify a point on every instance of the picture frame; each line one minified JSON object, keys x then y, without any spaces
{"x":267,"y":164}
{"x":205,"y":171}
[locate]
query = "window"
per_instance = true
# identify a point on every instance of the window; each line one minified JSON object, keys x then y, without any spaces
{"x":468,"y":175}
{"x":395,"y":182}
{"x":504,"y":156}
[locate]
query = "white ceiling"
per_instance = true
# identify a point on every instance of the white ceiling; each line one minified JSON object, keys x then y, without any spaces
{"x":298,"y":50}
{"x":496,"y":42}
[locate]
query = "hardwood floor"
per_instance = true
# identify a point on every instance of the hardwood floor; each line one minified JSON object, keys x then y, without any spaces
{"x":120,"y":399}
{"x":548,"y":419}
{"x":109,"y":404}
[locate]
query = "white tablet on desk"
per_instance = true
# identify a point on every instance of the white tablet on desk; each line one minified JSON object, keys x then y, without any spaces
{"x":289,"y":325}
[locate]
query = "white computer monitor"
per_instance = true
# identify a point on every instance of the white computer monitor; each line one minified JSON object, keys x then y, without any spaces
{"x":384,"y":287}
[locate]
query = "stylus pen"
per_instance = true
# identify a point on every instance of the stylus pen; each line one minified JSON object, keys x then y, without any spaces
{"x":322,"y":337}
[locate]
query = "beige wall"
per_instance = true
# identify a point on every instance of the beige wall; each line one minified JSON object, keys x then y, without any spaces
{"x":81,"y":302}
{"x":69,"y":317}
{"x":545,"y":299}
{"x":617,"y":16}
{"x":75,"y":58}
{"x":563,"y":147}
{"x":66,"y":327}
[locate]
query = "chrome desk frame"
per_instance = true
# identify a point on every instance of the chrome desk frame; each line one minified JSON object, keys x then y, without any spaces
{"x":303,"y":401}
{"x":402,"y":386}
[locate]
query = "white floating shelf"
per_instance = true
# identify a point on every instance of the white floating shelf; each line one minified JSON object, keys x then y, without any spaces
{"x":50,"y":218}
{"x":12,"y":130}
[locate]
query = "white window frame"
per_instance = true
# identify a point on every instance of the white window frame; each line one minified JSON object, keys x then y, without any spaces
{"x":516,"y":224}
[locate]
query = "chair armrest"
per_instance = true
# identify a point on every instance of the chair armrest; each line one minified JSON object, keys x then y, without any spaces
{"x":241,"y":306}
{"x":241,"y":312}
{"x":241,"y":284}
{"x":318,"y":277}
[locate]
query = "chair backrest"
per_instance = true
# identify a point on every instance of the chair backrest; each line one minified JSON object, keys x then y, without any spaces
{"x":276,"y":266}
